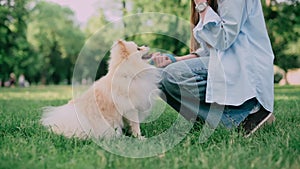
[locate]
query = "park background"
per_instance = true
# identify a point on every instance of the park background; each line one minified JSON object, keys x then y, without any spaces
{"x":42,"y":40}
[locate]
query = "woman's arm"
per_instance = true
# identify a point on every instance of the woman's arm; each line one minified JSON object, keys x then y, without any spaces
{"x":221,"y":30}
{"x":163,"y":60}
{"x":185,"y":57}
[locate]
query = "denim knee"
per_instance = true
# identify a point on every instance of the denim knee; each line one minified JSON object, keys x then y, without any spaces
{"x":170,"y":75}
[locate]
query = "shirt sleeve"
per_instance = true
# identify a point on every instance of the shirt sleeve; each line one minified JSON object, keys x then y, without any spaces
{"x":221,"y":30}
{"x":203,"y":51}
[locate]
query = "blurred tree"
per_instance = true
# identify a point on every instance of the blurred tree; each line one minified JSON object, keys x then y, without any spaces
{"x":174,"y":26}
{"x":95,"y":23}
{"x":100,"y":38}
{"x":104,"y":28}
{"x":56,"y":39}
{"x":133,"y":11}
{"x":283,"y":26}
{"x":15,"y":53}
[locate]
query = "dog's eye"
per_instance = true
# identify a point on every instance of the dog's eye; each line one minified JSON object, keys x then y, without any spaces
{"x":139,"y":49}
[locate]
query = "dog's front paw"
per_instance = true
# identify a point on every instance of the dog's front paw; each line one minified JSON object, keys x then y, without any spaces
{"x":141,"y":137}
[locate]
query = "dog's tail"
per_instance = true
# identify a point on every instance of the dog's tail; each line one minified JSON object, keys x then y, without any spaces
{"x":66,"y":120}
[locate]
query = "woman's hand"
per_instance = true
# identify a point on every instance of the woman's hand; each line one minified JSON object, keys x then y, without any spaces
{"x":202,"y":14}
{"x":199,"y":1}
{"x":161,"y":60}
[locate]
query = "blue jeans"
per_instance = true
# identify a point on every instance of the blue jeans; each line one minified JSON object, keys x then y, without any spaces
{"x":184,"y":86}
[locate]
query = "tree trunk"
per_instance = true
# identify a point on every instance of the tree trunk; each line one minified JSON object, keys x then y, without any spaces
{"x":124,"y":11}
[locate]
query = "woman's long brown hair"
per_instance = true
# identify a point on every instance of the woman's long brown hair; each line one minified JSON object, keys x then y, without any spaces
{"x":194,"y":19}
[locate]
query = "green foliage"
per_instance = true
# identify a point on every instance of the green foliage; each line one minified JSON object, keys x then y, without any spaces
{"x":14,"y":48}
{"x":180,"y":10}
{"x":42,"y":41}
{"x":98,"y":43}
{"x":95,"y":23}
{"x":284,"y":29}
{"x":38,"y":39}
{"x":104,"y":33}
{"x":24,"y":143}
{"x":56,"y":40}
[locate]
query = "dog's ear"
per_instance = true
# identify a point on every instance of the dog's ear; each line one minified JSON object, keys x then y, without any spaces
{"x":123,"y":51}
{"x":120,"y":41}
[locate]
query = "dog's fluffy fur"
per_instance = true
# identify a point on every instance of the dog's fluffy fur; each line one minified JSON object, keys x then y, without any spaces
{"x":123,"y":96}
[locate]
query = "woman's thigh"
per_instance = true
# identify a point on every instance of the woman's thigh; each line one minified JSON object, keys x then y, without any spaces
{"x":186,"y":78}
{"x":184,"y":84}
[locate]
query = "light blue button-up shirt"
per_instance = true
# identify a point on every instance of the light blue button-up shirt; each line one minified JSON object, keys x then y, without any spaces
{"x":241,"y":56}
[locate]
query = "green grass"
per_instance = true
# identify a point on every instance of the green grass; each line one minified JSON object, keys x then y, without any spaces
{"x":24,"y":143}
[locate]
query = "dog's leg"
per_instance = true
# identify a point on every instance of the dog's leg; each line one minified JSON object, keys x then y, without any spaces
{"x":135,"y":129}
{"x":132,"y":119}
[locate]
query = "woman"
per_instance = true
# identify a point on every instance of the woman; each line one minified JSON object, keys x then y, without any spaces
{"x":228,"y":77}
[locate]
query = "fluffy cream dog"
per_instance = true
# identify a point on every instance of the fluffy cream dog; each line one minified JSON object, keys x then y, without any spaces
{"x":123,"y":96}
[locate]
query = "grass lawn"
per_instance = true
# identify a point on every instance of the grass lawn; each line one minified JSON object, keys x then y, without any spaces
{"x":24,"y":143}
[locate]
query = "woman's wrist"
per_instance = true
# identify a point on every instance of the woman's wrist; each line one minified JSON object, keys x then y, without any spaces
{"x":189,"y":56}
{"x":178,"y":58}
{"x":203,"y":12}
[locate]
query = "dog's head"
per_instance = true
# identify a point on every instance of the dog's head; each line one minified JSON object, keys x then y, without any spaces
{"x":128,"y":54}
{"x":127,"y":49}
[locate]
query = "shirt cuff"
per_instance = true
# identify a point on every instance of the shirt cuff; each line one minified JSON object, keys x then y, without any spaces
{"x":202,"y":52}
